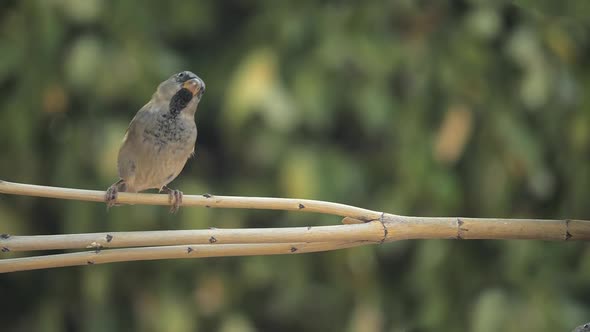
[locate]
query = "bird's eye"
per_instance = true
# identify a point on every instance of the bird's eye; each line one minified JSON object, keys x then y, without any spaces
{"x":180,"y":75}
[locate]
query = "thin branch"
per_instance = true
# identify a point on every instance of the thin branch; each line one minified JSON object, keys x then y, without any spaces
{"x":362,"y":226}
{"x":393,"y":228}
{"x":166,"y":252}
{"x":371,"y":231}
{"x":206,"y":200}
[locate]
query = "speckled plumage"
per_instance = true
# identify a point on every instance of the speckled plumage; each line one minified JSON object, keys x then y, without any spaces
{"x":160,"y":138}
{"x":582,"y":328}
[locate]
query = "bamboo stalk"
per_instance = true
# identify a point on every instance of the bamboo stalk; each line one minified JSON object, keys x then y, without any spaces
{"x":166,"y":252}
{"x":206,"y":200}
{"x":372,"y":231}
{"x":361,"y":226}
{"x":460,"y":228}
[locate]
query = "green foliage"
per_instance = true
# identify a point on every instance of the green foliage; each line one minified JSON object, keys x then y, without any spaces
{"x":413,"y":107}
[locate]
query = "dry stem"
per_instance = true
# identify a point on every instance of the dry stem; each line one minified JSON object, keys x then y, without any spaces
{"x":166,"y":252}
{"x":362,"y":226}
{"x":206,"y":200}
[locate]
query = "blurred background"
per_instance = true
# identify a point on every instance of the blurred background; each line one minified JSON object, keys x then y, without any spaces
{"x":429,"y":108}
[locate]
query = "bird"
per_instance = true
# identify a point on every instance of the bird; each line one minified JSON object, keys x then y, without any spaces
{"x":159,"y":140}
{"x":582,"y":328}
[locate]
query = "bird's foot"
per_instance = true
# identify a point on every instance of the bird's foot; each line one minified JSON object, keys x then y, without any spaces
{"x":174,"y":197}
{"x":112,"y":193}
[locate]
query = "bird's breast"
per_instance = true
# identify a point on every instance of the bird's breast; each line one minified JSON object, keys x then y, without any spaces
{"x":171,"y":134}
{"x":163,"y":149}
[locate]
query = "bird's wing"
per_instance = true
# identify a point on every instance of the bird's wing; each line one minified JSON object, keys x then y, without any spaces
{"x":128,"y":153}
{"x":137,"y":125}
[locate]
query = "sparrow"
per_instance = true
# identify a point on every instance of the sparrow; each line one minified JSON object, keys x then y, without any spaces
{"x":159,"y":140}
{"x":582,"y":328}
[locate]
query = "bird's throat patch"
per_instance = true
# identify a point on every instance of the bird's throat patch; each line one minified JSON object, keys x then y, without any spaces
{"x":179,"y":101}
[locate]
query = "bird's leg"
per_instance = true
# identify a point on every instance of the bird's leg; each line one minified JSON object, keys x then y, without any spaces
{"x":112,"y":192}
{"x":175,"y":198}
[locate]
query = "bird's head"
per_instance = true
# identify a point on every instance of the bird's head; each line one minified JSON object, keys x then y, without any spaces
{"x":182,"y":92}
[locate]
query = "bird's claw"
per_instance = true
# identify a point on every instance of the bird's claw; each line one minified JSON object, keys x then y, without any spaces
{"x":112,"y":193}
{"x":110,"y":196}
{"x":174,"y":197}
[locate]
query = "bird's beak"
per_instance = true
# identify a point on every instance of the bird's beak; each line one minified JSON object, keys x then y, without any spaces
{"x":194,"y":86}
